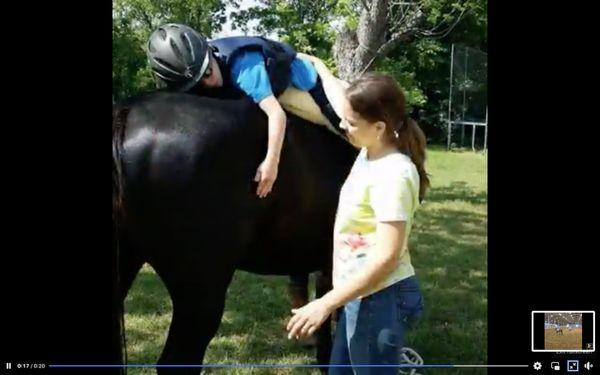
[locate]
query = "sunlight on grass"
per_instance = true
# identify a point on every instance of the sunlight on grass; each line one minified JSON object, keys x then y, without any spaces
{"x":449,"y":251}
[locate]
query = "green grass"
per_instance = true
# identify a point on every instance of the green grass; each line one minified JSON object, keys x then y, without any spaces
{"x":449,"y":250}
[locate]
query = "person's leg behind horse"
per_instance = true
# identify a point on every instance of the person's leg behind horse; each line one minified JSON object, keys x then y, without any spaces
{"x":298,"y":293}
{"x":298,"y":289}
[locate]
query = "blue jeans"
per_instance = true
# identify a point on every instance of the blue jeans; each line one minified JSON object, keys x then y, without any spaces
{"x":371,"y":330}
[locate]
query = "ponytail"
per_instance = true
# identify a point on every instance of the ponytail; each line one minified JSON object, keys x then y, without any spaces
{"x":411,"y":140}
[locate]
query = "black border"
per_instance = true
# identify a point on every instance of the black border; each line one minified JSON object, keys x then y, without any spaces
{"x":588,"y":328}
{"x":539,"y":331}
{"x":57,"y":168}
{"x":537,"y":251}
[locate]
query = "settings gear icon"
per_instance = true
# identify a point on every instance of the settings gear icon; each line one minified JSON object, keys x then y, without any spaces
{"x":537,"y":366}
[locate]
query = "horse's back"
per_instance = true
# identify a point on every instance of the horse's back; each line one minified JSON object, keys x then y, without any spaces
{"x":189,"y":165}
{"x":179,"y":166}
{"x":174,"y":141}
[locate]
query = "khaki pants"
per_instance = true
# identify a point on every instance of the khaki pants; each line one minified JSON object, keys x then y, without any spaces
{"x":302,"y":105}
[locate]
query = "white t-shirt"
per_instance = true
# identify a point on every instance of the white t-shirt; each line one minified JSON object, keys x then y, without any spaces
{"x":385,"y":189}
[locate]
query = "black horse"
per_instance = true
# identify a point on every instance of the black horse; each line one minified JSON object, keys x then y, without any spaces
{"x":184,"y":201}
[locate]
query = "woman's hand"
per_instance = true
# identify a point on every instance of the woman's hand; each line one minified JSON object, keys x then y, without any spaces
{"x":308,"y":319}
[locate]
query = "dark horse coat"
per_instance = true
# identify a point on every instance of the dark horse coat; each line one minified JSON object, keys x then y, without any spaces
{"x":184,"y":201}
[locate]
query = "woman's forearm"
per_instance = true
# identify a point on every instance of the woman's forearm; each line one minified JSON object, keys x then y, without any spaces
{"x":335,"y":89}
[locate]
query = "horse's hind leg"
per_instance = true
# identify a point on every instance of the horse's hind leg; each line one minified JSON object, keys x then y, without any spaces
{"x":197,"y":310}
{"x":130,"y":263}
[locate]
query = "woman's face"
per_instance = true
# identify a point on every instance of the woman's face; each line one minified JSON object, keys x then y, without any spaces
{"x":212,"y":77}
{"x":360,"y":132}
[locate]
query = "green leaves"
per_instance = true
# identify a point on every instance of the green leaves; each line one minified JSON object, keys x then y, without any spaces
{"x":305,"y":24}
{"x":404,"y":73}
{"x":420,"y":64}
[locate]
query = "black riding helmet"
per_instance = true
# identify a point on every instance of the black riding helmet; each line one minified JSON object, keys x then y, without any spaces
{"x":178,"y":55}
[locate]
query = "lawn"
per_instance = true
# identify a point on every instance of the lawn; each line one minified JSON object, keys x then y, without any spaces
{"x":449,"y":251}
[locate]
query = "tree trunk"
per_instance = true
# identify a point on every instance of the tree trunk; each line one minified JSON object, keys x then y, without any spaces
{"x":377,"y":34}
{"x":354,"y":50}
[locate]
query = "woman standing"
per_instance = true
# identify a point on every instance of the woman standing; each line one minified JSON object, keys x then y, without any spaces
{"x":373,"y":277}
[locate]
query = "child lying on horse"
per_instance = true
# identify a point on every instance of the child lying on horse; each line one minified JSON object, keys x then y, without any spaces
{"x":267,"y":71}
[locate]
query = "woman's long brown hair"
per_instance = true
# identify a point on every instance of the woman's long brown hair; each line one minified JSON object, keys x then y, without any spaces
{"x":377,"y":97}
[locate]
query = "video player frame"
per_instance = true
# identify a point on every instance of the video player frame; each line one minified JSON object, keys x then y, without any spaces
{"x":561,"y":313}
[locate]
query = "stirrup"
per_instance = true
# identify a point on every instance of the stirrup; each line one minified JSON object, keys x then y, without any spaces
{"x":409,"y":356}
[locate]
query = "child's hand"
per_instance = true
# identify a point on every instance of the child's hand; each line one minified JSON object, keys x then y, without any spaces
{"x":266,"y":174}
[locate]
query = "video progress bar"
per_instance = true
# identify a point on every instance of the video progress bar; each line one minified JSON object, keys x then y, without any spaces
{"x":283,"y":366}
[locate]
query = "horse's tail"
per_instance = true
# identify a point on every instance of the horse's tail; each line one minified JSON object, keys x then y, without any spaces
{"x":118,"y":130}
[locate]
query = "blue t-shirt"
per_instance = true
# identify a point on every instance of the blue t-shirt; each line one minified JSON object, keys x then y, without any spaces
{"x":249,"y":74}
